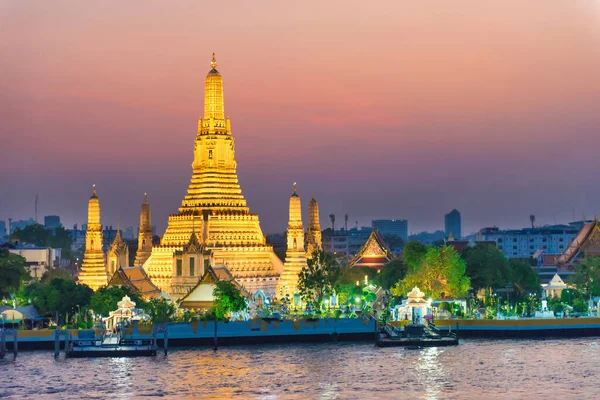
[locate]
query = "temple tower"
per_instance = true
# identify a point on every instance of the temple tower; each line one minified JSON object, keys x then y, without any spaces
{"x":314,"y":239}
{"x":145,"y":234}
{"x":215,"y":208}
{"x":93,"y":270}
{"x":118,"y":255}
{"x":295,"y":258}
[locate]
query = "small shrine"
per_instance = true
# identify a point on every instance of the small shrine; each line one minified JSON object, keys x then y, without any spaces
{"x":555,"y":287}
{"x":414,"y":308}
{"x":125,"y":312}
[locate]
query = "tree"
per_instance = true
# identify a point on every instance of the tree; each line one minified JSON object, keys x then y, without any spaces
{"x":487,"y":267}
{"x":62,"y":296}
{"x":34,"y":233}
{"x":393,"y":241}
{"x":52,"y":273}
{"x":316,"y":280}
{"x":414,"y":254}
{"x":391,"y":273}
{"x":524,"y":278}
{"x":587,"y":276}
{"x":12,"y":272}
{"x":160,"y":310}
{"x":441,"y":274}
{"x":228,"y":299}
{"x":105,"y":299}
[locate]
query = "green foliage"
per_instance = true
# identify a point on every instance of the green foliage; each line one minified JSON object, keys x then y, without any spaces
{"x":60,"y":296}
{"x":35,"y":234}
{"x":524,"y":278}
{"x":441,"y":273}
{"x":160,"y":310}
{"x":414,"y":254}
{"x":487,"y":267}
{"x":316,"y":280}
{"x":393,"y":241}
{"x":105,"y":299}
{"x":228,"y":299}
{"x":391,"y":273}
{"x":12,"y":272}
{"x":52,"y":273}
{"x":349,"y":276}
{"x":587,"y":276}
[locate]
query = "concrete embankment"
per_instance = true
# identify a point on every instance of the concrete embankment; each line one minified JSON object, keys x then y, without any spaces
{"x":520,"y":328}
{"x":256,"y":331}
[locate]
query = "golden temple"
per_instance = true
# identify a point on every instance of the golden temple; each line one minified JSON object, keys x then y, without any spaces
{"x":295,"y":257}
{"x":93,"y":270}
{"x":215,"y":211}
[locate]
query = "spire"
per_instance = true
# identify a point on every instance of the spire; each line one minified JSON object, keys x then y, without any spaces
{"x":213,"y":63}
{"x":295,"y":191}
{"x":94,"y":190}
{"x":145,"y":198}
{"x":214,"y":109}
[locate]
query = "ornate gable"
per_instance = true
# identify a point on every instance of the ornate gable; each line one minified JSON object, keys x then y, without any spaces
{"x":193,"y":245}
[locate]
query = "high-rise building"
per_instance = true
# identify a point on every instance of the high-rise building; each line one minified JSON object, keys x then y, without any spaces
{"x":145,"y":234}
{"x":2,"y":231}
{"x":215,"y":208}
{"x":398,"y":227}
{"x":52,"y":222}
{"x":93,"y":270}
{"x":295,"y":257}
{"x":453,"y":224}
{"x":314,"y":238}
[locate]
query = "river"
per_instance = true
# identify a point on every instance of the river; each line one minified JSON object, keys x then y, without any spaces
{"x":475,"y":369}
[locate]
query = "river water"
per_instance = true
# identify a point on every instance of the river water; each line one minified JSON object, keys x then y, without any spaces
{"x":475,"y":369}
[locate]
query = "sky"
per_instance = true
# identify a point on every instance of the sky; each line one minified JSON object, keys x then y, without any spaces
{"x":388,"y":109}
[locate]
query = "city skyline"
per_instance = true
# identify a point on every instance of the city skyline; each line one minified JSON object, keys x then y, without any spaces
{"x":405,"y":111}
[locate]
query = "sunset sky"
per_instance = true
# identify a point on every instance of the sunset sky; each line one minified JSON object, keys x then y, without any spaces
{"x":387,"y":109}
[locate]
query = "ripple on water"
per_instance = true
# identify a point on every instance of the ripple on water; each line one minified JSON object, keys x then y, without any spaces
{"x":475,"y":369}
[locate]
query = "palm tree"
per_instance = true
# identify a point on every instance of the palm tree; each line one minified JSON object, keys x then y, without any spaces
{"x":346,"y":222}
{"x":532,"y":219}
{"x":332,"y":218}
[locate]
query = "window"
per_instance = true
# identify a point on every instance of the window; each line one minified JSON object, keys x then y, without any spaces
{"x":179,"y":268}
{"x":192,"y":266}
{"x":514,"y":240}
{"x":514,"y":247}
{"x":500,"y":240}
{"x":210,"y":155}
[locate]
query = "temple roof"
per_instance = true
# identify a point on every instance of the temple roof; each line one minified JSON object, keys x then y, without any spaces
{"x":118,"y":245}
{"x":374,"y":253}
{"x":587,"y":236}
{"x":201,"y":295}
{"x":136,"y":279}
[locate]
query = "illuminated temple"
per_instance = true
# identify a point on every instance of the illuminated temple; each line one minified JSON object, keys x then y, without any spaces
{"x":93,"y":270}
{"x":295,"y":258}
{"x":213,"y":225}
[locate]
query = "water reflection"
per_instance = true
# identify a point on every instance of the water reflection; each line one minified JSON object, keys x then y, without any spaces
{"x":475,"y":369}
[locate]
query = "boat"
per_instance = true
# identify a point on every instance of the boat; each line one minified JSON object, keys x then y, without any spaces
{"x":415,"y":335}
{"x":109,"y":345}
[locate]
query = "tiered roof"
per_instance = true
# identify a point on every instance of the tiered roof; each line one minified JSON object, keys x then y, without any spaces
{"x":136,"y":279}
{"x":586,"y":241}
{"x":374,"y":254}
{"x":201,"y":295}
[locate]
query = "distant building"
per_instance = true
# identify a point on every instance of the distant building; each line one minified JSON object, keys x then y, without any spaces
{"x":345,"y":243}
{"x":452,"y":224}
{"x":39,"y":259}
{"x":428,"y":237}
{"x":52,"y":222}
{"x":21,"y":224}
{"x":524,"y":243}
{"x":3,"y":234}
{"x":398,"y":227}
